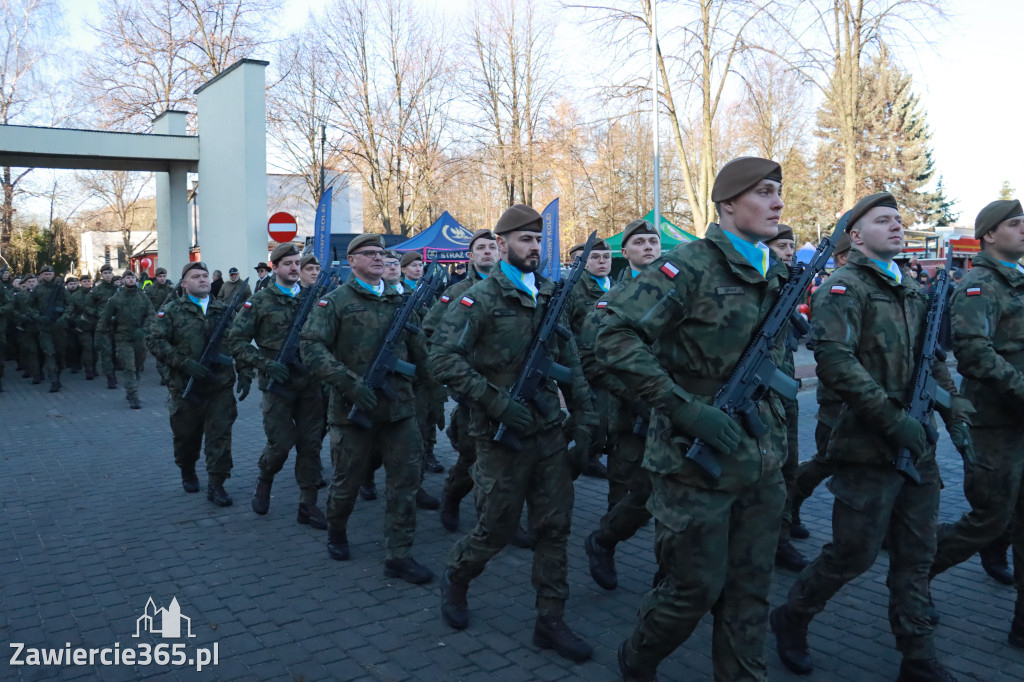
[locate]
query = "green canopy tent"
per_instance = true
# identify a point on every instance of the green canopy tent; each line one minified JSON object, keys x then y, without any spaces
{"x":671,"y":236}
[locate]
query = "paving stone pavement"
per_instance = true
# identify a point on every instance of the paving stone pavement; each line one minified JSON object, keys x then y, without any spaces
{"x":95,"y":523}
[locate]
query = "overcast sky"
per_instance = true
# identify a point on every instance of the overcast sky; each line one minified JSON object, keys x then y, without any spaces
{"x":969,"y":81}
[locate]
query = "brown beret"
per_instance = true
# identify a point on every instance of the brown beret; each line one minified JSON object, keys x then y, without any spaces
{"x":45,"y":268}
{"x":410,"y":257}
{"x":785,"y":232}
{"x":128,"y":273}
{"x":307,"y":259}
{"x":480,"y":234}
{"x":197,"y":265}
{"x":364,"y":240}
{"x":575,"y":249}
{"x":868,"y":203}
{"x":640,"y":226}
{"x":160,"y":271}
{"x":519,"y":217}
{"x":995,"y":213}
{"x":843,"y":244}
{"x":106,"y":268}
{"x":281,"y":251}
{"x":600,"y":245}
{"x":739,"y":175}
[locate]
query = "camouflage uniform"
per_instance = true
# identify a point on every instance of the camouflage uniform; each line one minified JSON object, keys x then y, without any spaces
{"x":815,"y":470}
{"x":46,"y":306}
{"x":157,"y":293}
{"x":476,"y":350}
{"x":129,"y":311}
{"x":6,"y":311}
{"x":81,"y":321}
{"x":294,"y":419}
{"x":988,"y":338}
{"x":673,"y":337}
{"x":103,"y":291}
{"x":28,"y":336}
{"x":865,"y":330}
{"x":178,"y":333}
{"x":339,"y":340}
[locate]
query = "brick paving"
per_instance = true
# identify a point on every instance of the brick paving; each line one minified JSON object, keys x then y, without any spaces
{"x":94,"y":522}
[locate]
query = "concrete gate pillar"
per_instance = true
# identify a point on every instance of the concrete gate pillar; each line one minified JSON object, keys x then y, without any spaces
{"x":232,"y":195}
{"x":172,"y":233}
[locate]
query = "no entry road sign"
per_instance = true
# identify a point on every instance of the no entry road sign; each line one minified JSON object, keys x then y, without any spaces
{"x":282,"y":227}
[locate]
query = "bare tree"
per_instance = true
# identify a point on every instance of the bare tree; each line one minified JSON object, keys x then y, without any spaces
{"x":224,"y":31}
{"x":120,"y":192}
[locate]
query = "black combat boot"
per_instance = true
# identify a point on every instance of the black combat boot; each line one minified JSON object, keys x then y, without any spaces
{"x":54,"y":386}
{"x":215,"y":493}
{"x":521,"y":539}
{"x":337,"y":543}
{"x":551,"y":632}
{"x":425,"y":500}
{"x":631,"y":674}
{"x":261,"y":496}
{"x":133,"y":401}
{"x":368,"y":491}
{"x":454,"y":607}
{"x":430,"y":462}
{"x":789,"y":557}
{"x":189,"y":480}
{"x":310,"y":515}
{"x":993,"y":560}
{"x":409,"y":570}
{"x":791,"y":642}
{"x":602,"y":562}
{"x":797,"y":530}
{"x":111,"y":381}
{"x":924,"y":670}
{"x":595,"y":469}
{"x":1016,"y":636}
{"x":450,"y":512}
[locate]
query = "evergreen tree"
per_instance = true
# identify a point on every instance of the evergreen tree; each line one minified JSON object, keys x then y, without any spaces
{"x":943,"y":213}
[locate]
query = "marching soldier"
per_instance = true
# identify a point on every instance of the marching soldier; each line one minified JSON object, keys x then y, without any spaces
{"x":72,"y":345}
{"x":309,"y":269}
{"x":293,"y":411}
{"x":47,"y":305}
{"x":102,"y":291}
{"x":178,"y":334}
{"x":6,"y":310}
{"x":126,"y":314}
{"x":988,"y":338}
{"x":629,"y":485}
{"x":28,"y":337}
{"x":866,"y":324}
{"x":81,"y":318}
{"x":158,"y":291}
{"x":477,"y":349}
{"x":339,"y":341}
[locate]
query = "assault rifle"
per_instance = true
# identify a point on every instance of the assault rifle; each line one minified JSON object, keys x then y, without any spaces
{"x":212,"y":354}
{"x":385,"y":362}
{"x":289,"y":353}
{"x":757,"y":372}
{"x":539,"y":365}
{"x":924,"y":393}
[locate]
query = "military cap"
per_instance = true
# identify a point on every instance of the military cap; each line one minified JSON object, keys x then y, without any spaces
{"x":70,"y":278}
{"x":410,"y":257}
{"x":128,"y":273}
{"x":785,"y":232}
{"x":261,"y":266}
{"x":282,"y":250}
{"x":391,"y":253}
{"x":84,"y":278}
{"x":160,"y":271}
{"x":519,"y":217}
{"x":843,"y":244}
{"x":739,"y":175}
{"x":640,"y":226}
{"x":197,"y":265}
{"x":480,"y":234}
{"x":866,"y":204}
{"x":995,"y":213}
{"x":576,"y":248}
{"x":233,"y":271}
{"x":106,"y":268}
{"x":365,"y":240}
{"x":28,"y":275}
{"x":307,"y":259}
{"x":45,"y":268}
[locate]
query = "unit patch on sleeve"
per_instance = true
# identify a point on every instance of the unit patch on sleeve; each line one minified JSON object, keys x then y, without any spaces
{"x":670,"y":270}
{"x":837,"y":289}
{"x":445,"y":298}
{"x":322,"y":303}
{"x":973,"y":291}
{"x":467,"y":301}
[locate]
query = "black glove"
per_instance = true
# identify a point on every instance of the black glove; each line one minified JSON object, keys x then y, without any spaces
{"x":435,"y":416}
{"x":361,"y":396}
{"x":242,"y":386}
{"x":710,"y":424}
{"x":195,"y":369}
{"x":579,"y":453}
{"x":277,"y":371}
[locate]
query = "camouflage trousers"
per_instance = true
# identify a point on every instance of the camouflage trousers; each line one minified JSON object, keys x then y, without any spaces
{"x":72,"y":350}
{"x":352,"y":453}
{"x":718,"y":556}
{"x":993,"y":487}
{"x":211,"y":417}
{"x":105,"y":349}
{"x":870,"y":502}
{"x":428,"y":430}
{"x":628,"y":513}
{"x":290,"y":422}
{"x":504,"y":479}
{"x":792,"y":463}
{"x":28,"y":349}
{"x":87,"y":348}
{"x":131,"y":356}
{"x":51,"y":347}
{"x":811,"y":473}
{"x":459,"y":482}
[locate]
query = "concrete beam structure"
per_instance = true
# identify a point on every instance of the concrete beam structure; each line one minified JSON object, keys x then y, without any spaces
{"x":232,"y":197}
{"x":173,"y":238}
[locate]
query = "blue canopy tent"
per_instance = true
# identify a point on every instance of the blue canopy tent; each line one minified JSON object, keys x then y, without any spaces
{"x":446,"y":240}
{"x":806,"y":252}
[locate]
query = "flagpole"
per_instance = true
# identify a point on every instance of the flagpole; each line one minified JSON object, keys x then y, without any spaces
{"x":655,"y":93}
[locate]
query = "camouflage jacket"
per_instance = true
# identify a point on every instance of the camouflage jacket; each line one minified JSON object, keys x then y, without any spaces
{"x":6,"y":307}
{"x":79,"y":313}
{"x":341,"y":338}
{"x":988,"y":338}
{"x":865,"y":329}
{"x":452,"y":293}
{"x":267,"y":317}
{"x":21,"y":311}
{"x":581,"y":301}
{"x":481,"y":343}
{"x":126,"y":311}
{"x":674,"y":335}
{"x":158,"y":293}
{"x":178,"y":332}
{"x":47,"y":302}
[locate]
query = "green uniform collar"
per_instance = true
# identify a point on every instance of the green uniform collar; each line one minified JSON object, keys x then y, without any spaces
{"x":738,"y":263}
{"x":1012,"y":275}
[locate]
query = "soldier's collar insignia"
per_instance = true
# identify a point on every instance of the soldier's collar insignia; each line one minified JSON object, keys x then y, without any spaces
{"x":467,"y":301}
{"x":973,"y":291}
{"x":670,"y":270}
{"x":837,"y":289}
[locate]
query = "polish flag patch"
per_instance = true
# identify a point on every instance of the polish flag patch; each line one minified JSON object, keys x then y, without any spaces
{"x":467,"y":301}
{"x":445,"y":299}
{"x":247,"y":304}
{"x":322,"y":303}
{"x":837,"y":289}
{"x":160,"y":314}
{"x":602,"y":304}
{"x":670,"y":270}
{"x":973,"y":291}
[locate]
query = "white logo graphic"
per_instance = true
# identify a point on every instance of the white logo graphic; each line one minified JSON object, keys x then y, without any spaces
{"x":169,"y":620}
{"x":457,"y":234}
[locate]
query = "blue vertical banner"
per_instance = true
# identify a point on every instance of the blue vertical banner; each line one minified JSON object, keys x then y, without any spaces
{"x":322,"y":231}
{"x":550,"y":251}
